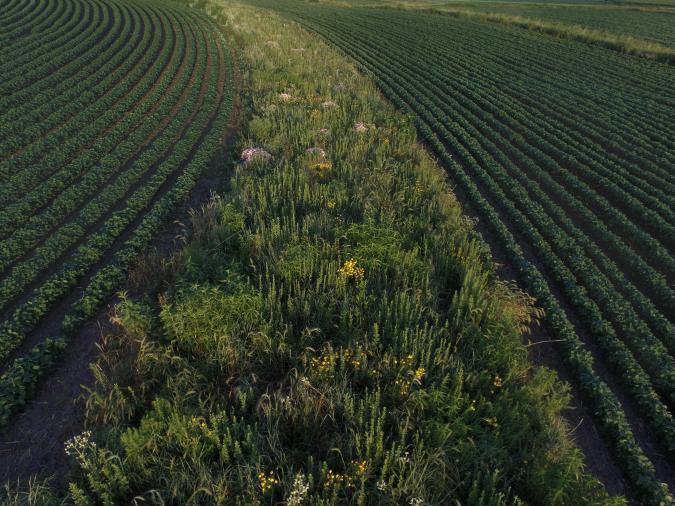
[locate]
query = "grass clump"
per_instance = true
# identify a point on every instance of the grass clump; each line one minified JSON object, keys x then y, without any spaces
{"x":328,"y":337}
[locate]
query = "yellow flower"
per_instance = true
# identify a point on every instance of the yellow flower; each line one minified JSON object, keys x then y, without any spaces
{"x":267,"y":481}
{"x":491,"y":421}
{"x":351,"y":271}
{"x":333,"y":478}
{"x":360,"y":466}
{"x":497,"y":382}
{"x":320,"y":168}
{"x":330,"y":204}
{"x":419,"y":373}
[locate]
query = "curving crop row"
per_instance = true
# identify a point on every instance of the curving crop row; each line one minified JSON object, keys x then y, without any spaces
{"x":97,"y":244}
{"x":25,"y":48}
{"x":95,"y":29}
{"x":183,"y":99}
{"x":549,"y":89}
{"x":50,"y":117}
{"x":68,"y":140}
{"x":196,"y":149}
{"x":131,"y":164}
{"x":634,"y":378}
{"x":113,"y":142}
{"x":46,"y":85}
{"x":16,"y":22}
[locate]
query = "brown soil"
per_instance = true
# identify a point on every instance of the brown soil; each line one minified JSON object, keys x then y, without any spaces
{"x":33,"y":443}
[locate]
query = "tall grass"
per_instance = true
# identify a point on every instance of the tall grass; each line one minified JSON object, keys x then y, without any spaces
{"x":332,"y":333}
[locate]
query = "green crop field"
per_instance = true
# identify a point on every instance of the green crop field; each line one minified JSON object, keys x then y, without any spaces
{"x":109,"y":112}
{"x":426,"y":252}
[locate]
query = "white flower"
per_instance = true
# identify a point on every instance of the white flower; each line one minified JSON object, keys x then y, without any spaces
{"x":76,"y":444}
{"x":285,"y":97}
{"x":360,"y":127}
{"x":299,"y":491}
{"x":316,"y":151}
{"x":323,"y":131}
{"x":329,"y":104}
{"x":251,"y":154}
{"x":416,"y":501}
{"x":381,"y":486}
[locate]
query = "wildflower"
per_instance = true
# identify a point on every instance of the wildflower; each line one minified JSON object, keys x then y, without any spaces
{"x":472,"y":406}
{"x":320,"y":168}
{"x":285,"y":97}
{"x":419,"y":188}
{"x":360,"y":466}
{"x":333,"y":478}
{"x":323,"y":131}
{"x":324,"y":364}
{"x":416,"y":501}
{"x":299,"y":490}
{"x":405,"y":458}
{"x":419,"y":374}
{"x":330,"y":204}
{"x":78,"y":444}
{"x":328,"y":104}
{"x":316,"y":151}
{"x":199,"y":422}
{"x":381,"y":485}
{"x":351,"y":271}
{"x":497,"y":382}
{"x":251,"y":154}
{"x":360,"y":127}
{"x":403,"y":385}
{"x":491,"y":421}
{"x":267,"y":481}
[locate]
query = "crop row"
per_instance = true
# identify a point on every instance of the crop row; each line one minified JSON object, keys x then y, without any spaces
{"x":92,"y":143}
{"x":58,"y":82}
{"x":492,"y":108}
{"x":478,"y":117}
{"x":508,"y":61}
{"x":41,"y":31}
{"x":103,"y":23}
{"x":21,"y":377}
{"x":127,"y":169}
{"x":184,"y":100}
{"x":55,"y":33}
{"x":53,"y":122}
